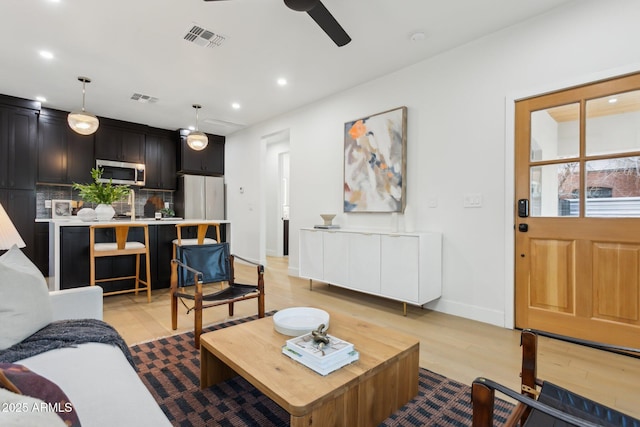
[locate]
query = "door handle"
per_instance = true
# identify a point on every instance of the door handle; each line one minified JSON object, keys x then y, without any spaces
{"x":523,"y":228}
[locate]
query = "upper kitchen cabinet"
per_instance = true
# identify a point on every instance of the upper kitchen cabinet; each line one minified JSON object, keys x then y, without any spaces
{"x":209,"y":161}
{"x":18,"y":139}
{"x":160,"y":159}
{"x":120,"y":141}
{"x":64,"y":157}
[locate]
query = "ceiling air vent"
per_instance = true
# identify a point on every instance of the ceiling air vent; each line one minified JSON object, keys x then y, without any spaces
{"x":202,"y":37}
{"x":145,"y":99}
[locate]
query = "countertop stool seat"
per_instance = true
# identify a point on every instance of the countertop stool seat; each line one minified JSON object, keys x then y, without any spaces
{"x":121,"y":247}
{"x":201,"y":235}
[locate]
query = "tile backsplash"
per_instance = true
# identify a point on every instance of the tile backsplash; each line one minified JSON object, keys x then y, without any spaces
{"x":64,"y":192}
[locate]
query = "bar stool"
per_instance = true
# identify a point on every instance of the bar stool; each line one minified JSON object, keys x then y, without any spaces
{"x":121,"y":247}
{"x":201,"y":236}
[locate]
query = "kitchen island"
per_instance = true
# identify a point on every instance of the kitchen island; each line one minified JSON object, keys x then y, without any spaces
{"x":69,"y":251}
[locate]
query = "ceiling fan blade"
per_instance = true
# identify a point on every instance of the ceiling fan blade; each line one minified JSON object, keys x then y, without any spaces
{"x":328,"y":23}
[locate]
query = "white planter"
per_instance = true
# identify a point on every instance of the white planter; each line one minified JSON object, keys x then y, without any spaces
{"x":104,"y":212}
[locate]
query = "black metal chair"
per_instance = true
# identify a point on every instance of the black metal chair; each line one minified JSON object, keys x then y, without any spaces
{"x":197,"y":265}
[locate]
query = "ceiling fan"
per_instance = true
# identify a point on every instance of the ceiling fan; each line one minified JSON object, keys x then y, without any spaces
{"x":322,"y":16}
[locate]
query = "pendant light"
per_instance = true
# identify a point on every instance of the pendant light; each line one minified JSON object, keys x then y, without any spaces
{"x":83,"y":122}
{"x":197,"y":140}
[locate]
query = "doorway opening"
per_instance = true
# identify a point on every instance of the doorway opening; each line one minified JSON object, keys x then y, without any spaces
{"x":277,"y":193}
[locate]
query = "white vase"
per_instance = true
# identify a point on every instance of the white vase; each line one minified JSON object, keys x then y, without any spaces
{"x":104,"y":212}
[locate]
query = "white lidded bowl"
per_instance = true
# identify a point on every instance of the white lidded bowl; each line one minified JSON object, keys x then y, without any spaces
{"x":86,"y":214}
{"x":296,"y":321}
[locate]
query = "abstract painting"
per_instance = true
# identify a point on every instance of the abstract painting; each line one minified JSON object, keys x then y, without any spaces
{"x":375,"y":162}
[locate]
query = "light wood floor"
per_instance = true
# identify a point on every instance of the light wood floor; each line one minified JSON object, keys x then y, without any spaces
{"x":458,"y":348}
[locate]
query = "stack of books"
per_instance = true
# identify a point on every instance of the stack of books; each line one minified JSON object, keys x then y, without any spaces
{"x":323,"y":359}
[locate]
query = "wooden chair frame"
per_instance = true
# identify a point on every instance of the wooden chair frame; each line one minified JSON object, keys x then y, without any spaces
{"x":202,"y":300}
{"x":483,"y":389}
{"x":121,"y":235}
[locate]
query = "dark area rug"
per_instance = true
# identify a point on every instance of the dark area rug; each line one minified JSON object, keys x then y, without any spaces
{"x":170,"y":368}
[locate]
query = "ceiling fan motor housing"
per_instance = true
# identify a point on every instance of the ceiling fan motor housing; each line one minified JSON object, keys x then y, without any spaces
{"x":301,"y":5}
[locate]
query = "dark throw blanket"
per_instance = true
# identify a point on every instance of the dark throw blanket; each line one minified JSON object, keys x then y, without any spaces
{"x":65,"y":333}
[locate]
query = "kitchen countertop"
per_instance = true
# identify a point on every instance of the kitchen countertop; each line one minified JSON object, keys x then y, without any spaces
{"x":55,"y":225}
{"x":75,"y":222}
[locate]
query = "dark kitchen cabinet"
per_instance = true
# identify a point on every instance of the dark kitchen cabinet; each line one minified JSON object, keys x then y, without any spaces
{"x":209,"y":161}
{"x":161,"y":257}
{"x":120,"y":141}
{"x":41,"y":247}
{"x":160,"y":160}
{"x":64,"y":156}
{"x":18,"y":139}
{"x":74,"y":258}
{"x":20,"y":205}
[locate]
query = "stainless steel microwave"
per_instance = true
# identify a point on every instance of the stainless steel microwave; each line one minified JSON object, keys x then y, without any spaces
{"x":121,"y":172}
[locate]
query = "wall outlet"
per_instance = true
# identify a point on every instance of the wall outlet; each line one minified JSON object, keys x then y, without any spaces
{"x":47,"y":204}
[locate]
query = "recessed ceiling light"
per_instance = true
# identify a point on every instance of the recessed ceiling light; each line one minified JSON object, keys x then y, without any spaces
{"x":41,"y":99}
{"x":417,"y":36}
{"x":46,"y":54}
{"x":613,"y":100}
{"x":282,"y":81}
{"x":235,"y":106}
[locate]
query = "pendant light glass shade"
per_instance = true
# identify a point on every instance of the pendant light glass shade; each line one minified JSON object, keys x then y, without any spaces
{"x":197,"y":140}
{"x":83,"y":122}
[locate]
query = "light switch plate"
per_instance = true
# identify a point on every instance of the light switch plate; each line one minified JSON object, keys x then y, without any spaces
{"x":473,"y":200}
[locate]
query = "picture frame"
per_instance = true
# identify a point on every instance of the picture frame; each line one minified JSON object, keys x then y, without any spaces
{"x":61,"y":208}
{"x":375,"y":162}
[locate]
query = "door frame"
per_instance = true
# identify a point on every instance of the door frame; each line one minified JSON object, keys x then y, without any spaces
{"x":509,"y":167}
{"x":267,"y":142}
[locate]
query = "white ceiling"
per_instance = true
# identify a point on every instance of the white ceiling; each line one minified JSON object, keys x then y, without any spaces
{"x":137,"y":46}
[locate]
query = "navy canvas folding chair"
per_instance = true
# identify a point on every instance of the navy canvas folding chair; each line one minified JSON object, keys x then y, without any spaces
{"x":197,"y":265}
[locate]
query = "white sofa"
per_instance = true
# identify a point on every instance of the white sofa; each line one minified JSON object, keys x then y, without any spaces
{"x":99,"y":381}
{"x":96,"y":378}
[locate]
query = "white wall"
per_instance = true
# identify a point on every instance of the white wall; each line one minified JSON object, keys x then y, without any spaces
{"x":460,"y":140}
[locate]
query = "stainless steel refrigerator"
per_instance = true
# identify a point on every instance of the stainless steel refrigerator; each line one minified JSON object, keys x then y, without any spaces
{"x":200,"y":197}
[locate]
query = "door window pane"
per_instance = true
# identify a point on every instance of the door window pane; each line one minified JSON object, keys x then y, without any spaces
{"x":555,"y":190}
{"x":555,"y":133}
{"x":613,"y":187}
{"x":613,"y":124}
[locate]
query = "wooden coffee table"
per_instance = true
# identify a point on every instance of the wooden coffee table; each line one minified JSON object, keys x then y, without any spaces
{"x":363,"y":393}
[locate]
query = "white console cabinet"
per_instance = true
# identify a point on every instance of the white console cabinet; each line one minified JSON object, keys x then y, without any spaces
{"x":402,"y":266}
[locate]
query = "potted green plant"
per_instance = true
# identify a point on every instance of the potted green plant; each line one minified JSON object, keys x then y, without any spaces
{"x":103,"y":194}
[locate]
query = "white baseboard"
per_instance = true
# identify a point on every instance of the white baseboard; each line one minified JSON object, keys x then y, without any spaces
{"x":467,"y":311}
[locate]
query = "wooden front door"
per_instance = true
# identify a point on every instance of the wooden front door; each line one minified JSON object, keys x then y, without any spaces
{"x":577,"y":213}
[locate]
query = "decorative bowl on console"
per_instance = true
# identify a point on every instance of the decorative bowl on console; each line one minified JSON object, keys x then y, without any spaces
{"x":328,"y":218}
